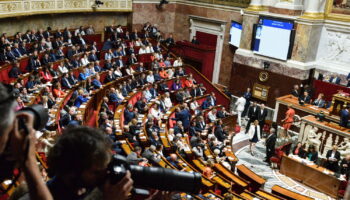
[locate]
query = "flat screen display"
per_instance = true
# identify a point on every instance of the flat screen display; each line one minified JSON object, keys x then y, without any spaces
{"x":273,"y":38}
{"x":235,"y":33}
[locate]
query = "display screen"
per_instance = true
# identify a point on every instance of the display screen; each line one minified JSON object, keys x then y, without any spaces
{"x":273,"y":38}
{"x":235,"y":34}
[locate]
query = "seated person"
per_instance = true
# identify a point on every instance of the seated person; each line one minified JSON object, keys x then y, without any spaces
{"x":305,"y":98}
{"x":333,"y":157}
{"x":312,"y":154}
{"x":80,"y":99}
{"x":345,"y":165}
{"x":57,"y":91}
{"x":295,"y":91}
{"x":299,"y":150}
{"x":320,"y":102}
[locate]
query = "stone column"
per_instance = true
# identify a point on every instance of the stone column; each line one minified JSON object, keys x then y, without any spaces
{"x":290,"y":4}
{"x":248,"y":21}
{"x":314,"y":9}
{"x":255,"y":5}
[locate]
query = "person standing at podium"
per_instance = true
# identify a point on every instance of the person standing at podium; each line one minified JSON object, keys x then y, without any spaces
{"x":289,"y":119}
{"x":333,"y":157}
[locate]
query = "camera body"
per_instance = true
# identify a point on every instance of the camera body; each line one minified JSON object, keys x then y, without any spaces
{"x":40,"y":118}
{"x":155,"y":177}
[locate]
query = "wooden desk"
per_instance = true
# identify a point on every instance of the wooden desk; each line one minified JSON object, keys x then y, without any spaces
{"x":329,"y":134}
{"x":300,"y":111}
{"x":255,"y":181}
{"x":310,"y":175}
{"x":287,"y":194}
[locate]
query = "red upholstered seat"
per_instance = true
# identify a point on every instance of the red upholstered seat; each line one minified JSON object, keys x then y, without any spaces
{"x":279,"y":152}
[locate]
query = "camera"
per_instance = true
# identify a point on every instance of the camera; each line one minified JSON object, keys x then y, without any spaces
{"x":40,"y":118}
{"x":155,"y":177}
{"x":40,"y":115}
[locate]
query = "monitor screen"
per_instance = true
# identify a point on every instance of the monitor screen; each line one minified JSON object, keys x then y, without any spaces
{"x":235,"y":33}
{"x":273,"y":38}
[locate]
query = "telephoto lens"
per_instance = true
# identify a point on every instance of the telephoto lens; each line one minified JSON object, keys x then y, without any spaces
{"x":155,"y":177}
{"x":39,"y":113}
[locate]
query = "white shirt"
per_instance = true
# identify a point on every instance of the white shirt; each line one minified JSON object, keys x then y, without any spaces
{"x":129,"y":71}
{"x":149,"y":49}
{"x":138,"y":43}
{"x":156,"y":113}
{"x":194,"y":105}
{"x":168,"y":102}
{"x":62,"y":69}
{"x":212,"y":116}
{"x":118,"y":73}
{"x":119,"y":30}
{"x":177,"y":63}
{"x":84,"y":61}
{"x":150,"y":78}
{"x":142,"y":51}
{"x":240,"y":104}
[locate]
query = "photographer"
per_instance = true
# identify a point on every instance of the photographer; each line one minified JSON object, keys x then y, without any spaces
{"x":19,"y":145}
{"x":78,"y":163}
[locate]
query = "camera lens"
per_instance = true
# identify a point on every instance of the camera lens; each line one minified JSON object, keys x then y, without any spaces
{"x":39,"y":113}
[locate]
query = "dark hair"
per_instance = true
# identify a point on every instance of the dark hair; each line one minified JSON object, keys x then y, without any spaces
{"x":77,"y":149}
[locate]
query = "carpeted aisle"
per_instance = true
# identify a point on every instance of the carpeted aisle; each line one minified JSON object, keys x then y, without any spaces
{"x":240,"y":146}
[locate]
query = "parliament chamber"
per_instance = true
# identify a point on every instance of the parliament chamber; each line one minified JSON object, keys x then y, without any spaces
{"x":175,"y":99}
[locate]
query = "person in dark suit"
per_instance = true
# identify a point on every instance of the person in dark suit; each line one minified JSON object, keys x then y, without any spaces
{"x":295,"y":91}
{"x":312,"y":154}
{"x":344,"y":117}
{"x":65,"y":82}
{"x":248,"y":96}
{"x":348,"y":79}
{"x":185,"y":117}
{"x":262,"y":114}
{"x":34,"y":62}
{"x":335,"y":80}
{"x":9,"y":54}
{"x":319,"y":102}
{"x":71,"y":78}
{"x":270,"y":144}
{"x":194,"y":40}
{"x":15,"y":71}
{"x":178,"y":128}
{"x":305,"y":98}
{"x":129,"y":114}
{"x":196,"y":91}
{"x":333,"y":157}
{"x":252,"y":115}
{"x":170,"y":40}
{"x":299,"y":150}
{"x":219,"y":133}
{"x":345,"y":165}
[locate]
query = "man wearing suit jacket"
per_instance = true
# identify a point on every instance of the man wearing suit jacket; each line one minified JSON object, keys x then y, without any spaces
{"x":196,"y":91}
{"x":9,"y":54}
{"x":15,"y":71}
{"x":305,"y":98}
{"x":71,"y":78}
{"x":219,"y":133}
{"x":65,"y":82}
{"x":333,"y":157}
{"x":262,"y":113}
{"x":252,"y":115}
{"x":270,"y":144}
{"x":119,"y":62}
{"x":295,"y":91}
{"x":335,"y":80}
